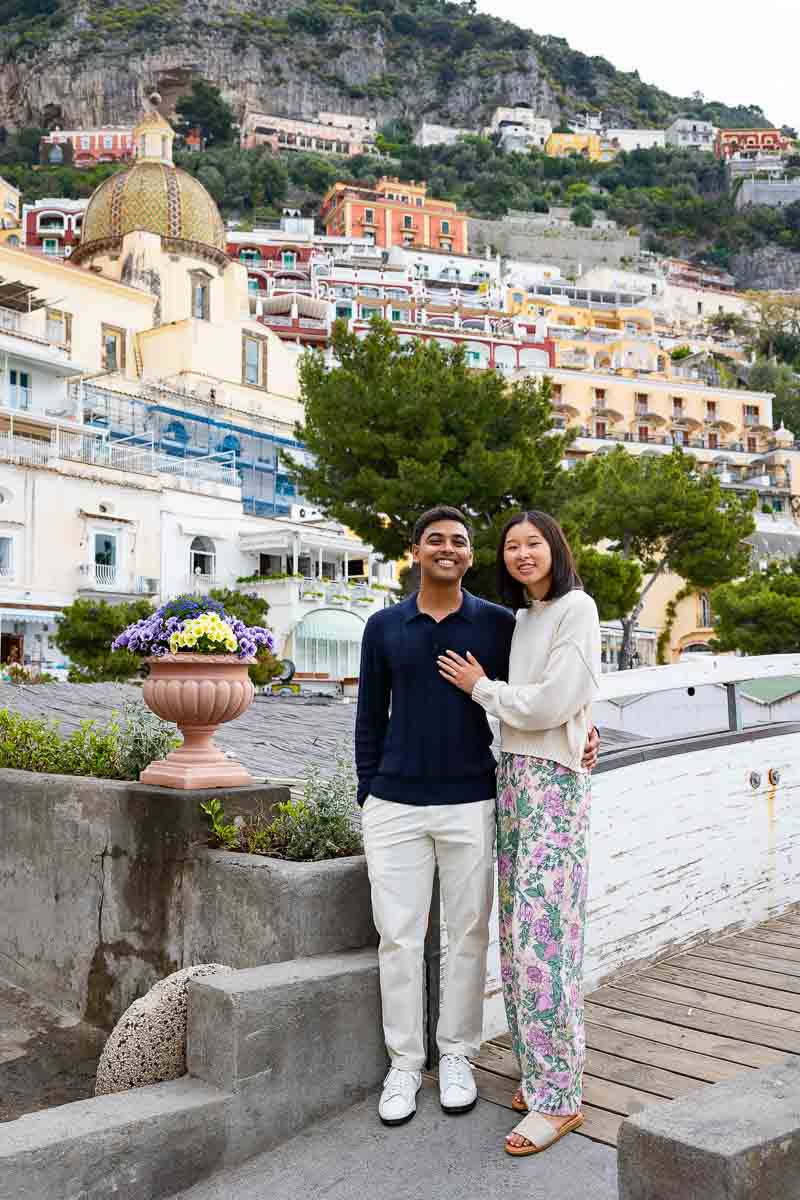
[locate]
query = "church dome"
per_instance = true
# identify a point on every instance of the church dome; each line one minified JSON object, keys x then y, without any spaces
{"x":152,"y":196}
{"x":156,"y":198}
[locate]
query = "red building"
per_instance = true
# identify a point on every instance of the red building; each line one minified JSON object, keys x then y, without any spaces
{"x":53,"y":226}
{"x":750,"y":143}
{"x":87,"y":147}
{"x":394,"y":214}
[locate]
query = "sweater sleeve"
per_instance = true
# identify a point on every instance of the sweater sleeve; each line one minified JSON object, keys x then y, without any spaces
{"x":372,"y":716}
{"x":569,"y":681}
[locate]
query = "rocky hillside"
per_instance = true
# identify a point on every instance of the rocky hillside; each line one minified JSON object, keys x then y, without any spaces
{"x":76,"y":62}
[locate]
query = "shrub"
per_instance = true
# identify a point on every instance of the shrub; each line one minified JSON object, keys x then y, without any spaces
{"x":117,"y":751}
{"x":321,"y":825}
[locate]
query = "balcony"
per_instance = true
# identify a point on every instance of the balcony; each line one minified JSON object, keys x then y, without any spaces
{"x":110,"y":577}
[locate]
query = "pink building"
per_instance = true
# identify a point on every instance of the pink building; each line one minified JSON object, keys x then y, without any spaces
{"x":87,"y":147}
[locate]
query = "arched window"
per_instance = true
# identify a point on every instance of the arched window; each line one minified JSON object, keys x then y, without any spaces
{"x":328,"y":642}
{"x":202,"y":557}
{"x":705,"y":611}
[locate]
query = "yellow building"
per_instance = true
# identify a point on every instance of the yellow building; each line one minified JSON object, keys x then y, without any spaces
{"x":728,"y":431}
{"x":586,"y":145}
{"x":10,"y":210}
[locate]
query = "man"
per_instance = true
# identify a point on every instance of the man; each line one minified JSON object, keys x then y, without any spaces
{"x":426,"y":777}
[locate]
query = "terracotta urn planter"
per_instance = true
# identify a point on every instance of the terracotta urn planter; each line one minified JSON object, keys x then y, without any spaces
{"x":199,"y":692}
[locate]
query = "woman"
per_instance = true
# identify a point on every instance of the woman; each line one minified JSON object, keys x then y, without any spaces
{"x":542,"y":817}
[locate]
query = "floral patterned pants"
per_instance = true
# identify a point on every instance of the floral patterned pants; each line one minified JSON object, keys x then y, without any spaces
{"x":542,"y":858}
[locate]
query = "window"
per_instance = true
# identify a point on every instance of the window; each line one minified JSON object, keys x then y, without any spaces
{"x":19,"y":389}
{"x":113,"y":342}
{"x":344,"y":312}
{"x":517,"y":297}
{"x":642,"y":403}
{"x":369,"y":216}
{"x":752,"y":445}
{"x":201,"y":295}
{"x":600,"y":429}
{"x":644,"y":433}
{"x":6,"y":557}
{"x":288,"y":260}
{"x":445,"y":226}
{"x":599,"y":395}
{"x":202,"y":557}
{"x":105,"y":559}
{"x":50,"y":245}
{"x":408,"y":222}
{"x":677,"y":407}
{"x":369,"y":311}
{"x":58,"y":328}
{"x":254,"y":361}
{"x":397,"y":314}
{"x":108,"y":141}
{"x":751,"y":414}
{"x":713,"y":441}
{"x":711,"y":409}
{"x":706,"y":617}
{"x":85,"y":143}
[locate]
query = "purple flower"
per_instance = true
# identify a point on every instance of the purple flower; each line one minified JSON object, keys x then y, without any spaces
{"x":504,"y":865}
{"x":541,"y":929}
{"x":544,"y":1002}
{"x":525,"y":912}
{"x":535,"y":975}
{"x":551,"y":950}
{"x":538,"y":856}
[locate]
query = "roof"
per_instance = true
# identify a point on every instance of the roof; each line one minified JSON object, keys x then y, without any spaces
{"x":18,"y":296}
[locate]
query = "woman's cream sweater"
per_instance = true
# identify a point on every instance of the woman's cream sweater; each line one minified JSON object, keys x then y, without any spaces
{"x":554,"y":674}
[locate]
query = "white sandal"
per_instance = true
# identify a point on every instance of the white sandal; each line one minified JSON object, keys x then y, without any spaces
{"x":540,"y":1133}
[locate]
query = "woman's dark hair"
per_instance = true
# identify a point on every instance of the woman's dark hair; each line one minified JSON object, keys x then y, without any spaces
{"x":442,"y":512}
{"x":564,"y":577}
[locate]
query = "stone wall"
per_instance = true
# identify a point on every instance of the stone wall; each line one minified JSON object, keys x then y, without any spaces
{"x":776,"y":193}
{"x":106,"y":887}
{"x":568,"y":247}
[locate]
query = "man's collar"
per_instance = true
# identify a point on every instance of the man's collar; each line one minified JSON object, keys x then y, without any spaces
{"x":468,"y":610}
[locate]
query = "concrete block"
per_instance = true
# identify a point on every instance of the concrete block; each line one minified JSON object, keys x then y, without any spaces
{"x":740,"y":1141}
{"x":139,"y":1145}
{"x":292,"y":1042}
{"x":245,"y":909}
{"x":92,"y":884}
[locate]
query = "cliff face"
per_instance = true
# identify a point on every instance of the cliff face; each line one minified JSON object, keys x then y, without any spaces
{"x":767,"y":267}
{"x":96,"y":69}
{"x":81,"y":62}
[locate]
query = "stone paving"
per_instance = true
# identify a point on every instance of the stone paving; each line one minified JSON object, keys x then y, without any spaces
{"x":275,"y":738}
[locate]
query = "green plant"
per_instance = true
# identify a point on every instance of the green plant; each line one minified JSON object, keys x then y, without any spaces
{"x":116,"y":751}
{"x":319,"y":826}
{"x":28,"y":675}
{"x":85,"y":632}
{"x":143,"y":737}
{"x":224,"y":834}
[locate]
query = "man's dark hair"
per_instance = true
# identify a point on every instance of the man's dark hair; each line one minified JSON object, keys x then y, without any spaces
{"x":442,"y":512}
{"x":564,"y":577}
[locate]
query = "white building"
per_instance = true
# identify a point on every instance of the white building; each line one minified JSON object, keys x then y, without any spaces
{"x":429,"y":134}
{"x":687,"y":133}
{"x":636,"y":139}
{"x":518,"y":128}
{"x":674,"y":303}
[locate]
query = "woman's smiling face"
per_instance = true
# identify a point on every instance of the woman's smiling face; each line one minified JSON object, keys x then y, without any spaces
{"x":528,"y":558}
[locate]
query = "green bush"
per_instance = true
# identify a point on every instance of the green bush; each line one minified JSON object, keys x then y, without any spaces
{"x":320,"y":826}
{"x":117,"y":751}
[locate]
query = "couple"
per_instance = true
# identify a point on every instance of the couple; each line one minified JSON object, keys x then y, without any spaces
{"x":432,"y":668}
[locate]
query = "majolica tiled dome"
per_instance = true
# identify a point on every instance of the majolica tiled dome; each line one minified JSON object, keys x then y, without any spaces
{"x":156,"y":198}
{"x":153,"y":196}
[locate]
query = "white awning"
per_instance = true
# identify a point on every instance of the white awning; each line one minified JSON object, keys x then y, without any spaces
{"x":34,"y":615}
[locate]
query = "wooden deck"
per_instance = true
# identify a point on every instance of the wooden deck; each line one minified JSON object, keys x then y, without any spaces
{"x":725,"y":1007}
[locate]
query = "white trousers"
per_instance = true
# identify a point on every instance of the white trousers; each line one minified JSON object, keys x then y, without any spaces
{"x":402,"y":842}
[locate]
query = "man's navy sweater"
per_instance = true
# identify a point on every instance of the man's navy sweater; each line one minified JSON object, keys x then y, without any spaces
{"x":419,"y":739}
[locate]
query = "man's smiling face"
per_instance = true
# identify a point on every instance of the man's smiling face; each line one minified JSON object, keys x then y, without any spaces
{"x":444,"y":553}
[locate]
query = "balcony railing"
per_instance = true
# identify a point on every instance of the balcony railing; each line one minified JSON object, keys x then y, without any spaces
{"x":7,"y":572}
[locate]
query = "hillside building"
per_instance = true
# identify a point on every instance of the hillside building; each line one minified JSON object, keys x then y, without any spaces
{"x":394,"y":213}
{"x":330,"y":133}
{"x":688,"y":133}
{"x":519,"y":128}
{"x":53,"y":226}
{"x":585,"y":145}
{"x":430,"y":134}
{"x":143,"y":413}
{"x":87,"y":147}
{"x":636,"y":139}
{"x":10,"y":200}
{"x":752,"y":151}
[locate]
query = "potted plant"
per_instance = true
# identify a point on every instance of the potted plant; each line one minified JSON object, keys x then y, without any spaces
{"x":198,"y":657}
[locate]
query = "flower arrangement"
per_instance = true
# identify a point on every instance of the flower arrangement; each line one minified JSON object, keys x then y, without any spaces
{"x":196,"y":624}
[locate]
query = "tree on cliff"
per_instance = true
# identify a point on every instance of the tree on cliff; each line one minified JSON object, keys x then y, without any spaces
{"x":204,"y":109}
{"x":657,"y":511}
{"x":760,"y":614}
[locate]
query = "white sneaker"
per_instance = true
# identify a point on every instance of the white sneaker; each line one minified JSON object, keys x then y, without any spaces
{"x":457,"y":1090}
{"x":399,"y":1096}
